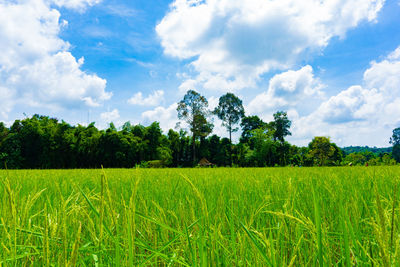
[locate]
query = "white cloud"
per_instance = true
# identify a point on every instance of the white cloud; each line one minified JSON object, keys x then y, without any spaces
{"x":57,"y":80}
{"x":355,"y":103}
{"x":28,"y":31}
{"x":121,"y":10}
{"x":153,"y":99}
{"x":35,"y":64}
{"x":212,"y":102}
{"x":361,"y":114}
{"x":110,"y":116}
{"x":167,"y":117}
{"x":79,"y":5}
{"x":231,"y":43}
{"x":188,"y":84}
{"x":289,"y":90}
{"x":6,"y":101}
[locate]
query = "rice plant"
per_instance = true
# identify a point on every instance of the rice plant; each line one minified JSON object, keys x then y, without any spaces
{"x":200,"y":217}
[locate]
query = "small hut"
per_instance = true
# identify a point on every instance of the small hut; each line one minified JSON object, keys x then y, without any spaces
{"x":205,"y":163}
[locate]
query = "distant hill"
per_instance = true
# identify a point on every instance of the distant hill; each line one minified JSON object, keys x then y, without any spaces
{"x":375,"y":150}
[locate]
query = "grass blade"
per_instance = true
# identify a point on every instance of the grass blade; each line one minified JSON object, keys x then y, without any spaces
{"x":317,"y":214}
{"x":257,"y":245}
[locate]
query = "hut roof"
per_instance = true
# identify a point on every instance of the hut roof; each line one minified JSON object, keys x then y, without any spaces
{"x":205,"y":162}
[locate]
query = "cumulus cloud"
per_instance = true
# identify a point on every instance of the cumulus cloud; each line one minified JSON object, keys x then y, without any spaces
{"x":58,"y":80}
{"x":360,"y":114}
{"x":153,"y":99}
{"x":110,"y":116}
{"x":79,"y":5}
{"x":6,"y":101}
{"x":231,"y":43}
{"x":35,"y":64}
{"x":288,"y":90}
{"x":167,"y":117}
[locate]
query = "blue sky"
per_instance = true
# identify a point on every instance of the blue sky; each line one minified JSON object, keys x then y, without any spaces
{"x":333,"y":65}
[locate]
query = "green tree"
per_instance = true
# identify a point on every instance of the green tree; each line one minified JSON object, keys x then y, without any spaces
{"x":223,"y":155}
{"x":174,"y":146}
{"x":395,"y":141}
{"x":249,"y":124}
{"x":3,"y":132}
{"x":214,"y":149}
{"x":281,"y":126}
{"x":11,"y":152}
{"x":355,"y":159}
{"x":185,"y":156}
{"x":230,"y":110}
{"x":241,"y":150}
{"x":165,"y":155}
{"x":153,"y":135}
{"x":396,"y":152}
{"x":193,"y":109}
{"x":86,"y":146}
{"x":265,"y":151}
{"x":139,"y":132}
{"x":324,"y":152}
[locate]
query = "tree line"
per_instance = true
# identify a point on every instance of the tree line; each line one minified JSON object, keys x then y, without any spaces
{"x":44,"y":142}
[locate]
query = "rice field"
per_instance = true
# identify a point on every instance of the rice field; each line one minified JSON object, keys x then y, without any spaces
{"x":200,"y":217}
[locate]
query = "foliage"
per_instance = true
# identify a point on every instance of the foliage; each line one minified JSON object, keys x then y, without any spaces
{"x":395,"y":141}
{"x":230,"y":110}
{"x":193,"y":109}
{"x":396,"y":152}
{"x":358,"y":149}
{"x":324,"y":152}
{"x":281,"y":125}
{"x":164,"y":153}
{"x":41,"y":142}
{"x":249,"y":124}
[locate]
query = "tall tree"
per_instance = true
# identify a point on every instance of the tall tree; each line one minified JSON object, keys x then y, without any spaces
{"x":395,"y":141}
{"x":230,"y":110}
{"x":281,"y":125}
{"x":193,"y":109}
{"x":153,"y":134}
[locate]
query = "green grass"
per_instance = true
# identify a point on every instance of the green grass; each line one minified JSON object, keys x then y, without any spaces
{"x":200,"y":217}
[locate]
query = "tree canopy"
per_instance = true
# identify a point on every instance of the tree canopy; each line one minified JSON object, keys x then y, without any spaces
{"x":230,"y":110}
{"x":281,"y":125}
{"x":193,"y":109}
{"x":45,"y":142}
{"x":324,"y":152}
{"x":395,"y":141}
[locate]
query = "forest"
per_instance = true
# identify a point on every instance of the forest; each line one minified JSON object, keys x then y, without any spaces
{"x":43,"y":142}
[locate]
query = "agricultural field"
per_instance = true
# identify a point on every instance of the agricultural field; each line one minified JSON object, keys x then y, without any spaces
{"x":201,"y":217}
